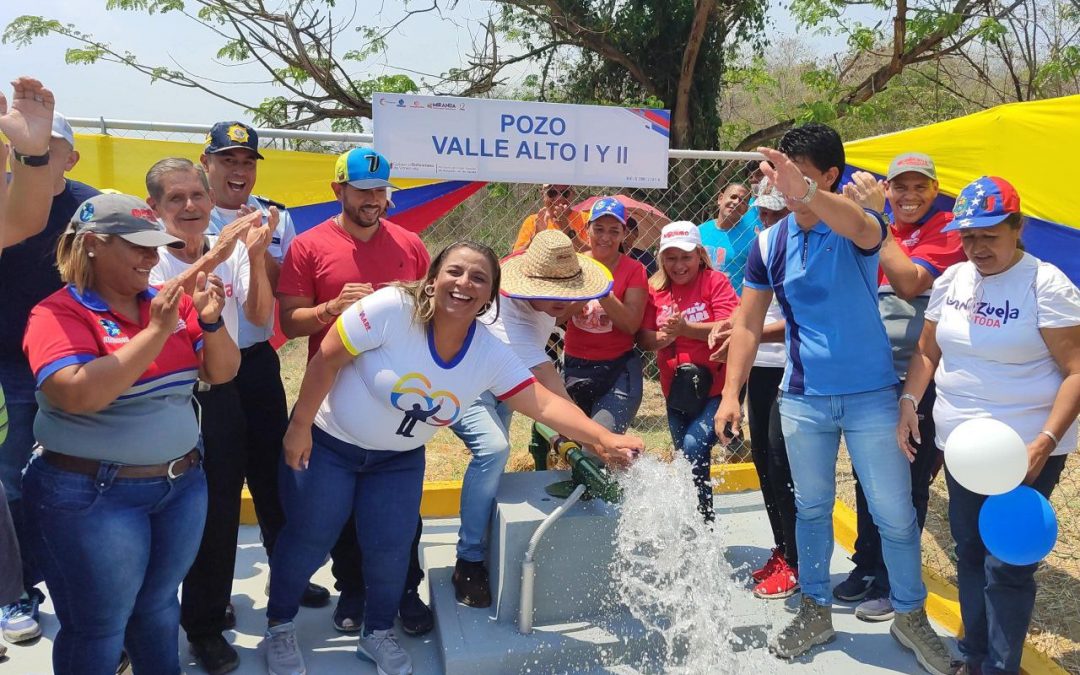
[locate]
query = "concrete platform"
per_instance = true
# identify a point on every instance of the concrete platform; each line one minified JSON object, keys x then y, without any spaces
{"x":859,"y":647}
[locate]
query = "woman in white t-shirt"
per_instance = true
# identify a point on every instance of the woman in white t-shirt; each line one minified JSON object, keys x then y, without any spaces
{"x":400,"y":364}
{"x":1002,"y":341}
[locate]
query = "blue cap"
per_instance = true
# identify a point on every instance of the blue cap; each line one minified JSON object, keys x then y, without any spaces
{"x":228,"y":135}
{"x":984,"y":203}
{"x":608,"y":206}
{"x":363,"y":168}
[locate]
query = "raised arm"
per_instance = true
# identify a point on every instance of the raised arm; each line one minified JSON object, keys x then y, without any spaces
{"x":25,"y":203}
{"x":841,"y":214}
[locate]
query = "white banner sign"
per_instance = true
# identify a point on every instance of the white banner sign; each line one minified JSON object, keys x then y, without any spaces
{"x":521,"y":141}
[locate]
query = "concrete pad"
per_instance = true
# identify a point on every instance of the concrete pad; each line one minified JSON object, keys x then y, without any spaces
{"x":859,"y":648}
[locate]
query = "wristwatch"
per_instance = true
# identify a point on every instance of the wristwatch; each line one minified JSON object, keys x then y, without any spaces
{"x":30,"y":160}
{"x":211,"y":327}
{"x":810,"y":192}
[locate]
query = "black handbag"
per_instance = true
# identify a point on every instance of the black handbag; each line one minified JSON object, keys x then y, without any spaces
{"x":690,"y":389}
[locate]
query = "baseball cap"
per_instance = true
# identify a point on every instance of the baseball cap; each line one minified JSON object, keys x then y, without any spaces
{"x":608,"y":206}
{"x":916,"y":162}
{"x":984,"y":203}
{"x":125,"y":216}
{"x":363,"y":169}
{"x":681,"y":234}
{"x":62,"y":129}
{"x":228,"y":135}
{"x":768,"y":197}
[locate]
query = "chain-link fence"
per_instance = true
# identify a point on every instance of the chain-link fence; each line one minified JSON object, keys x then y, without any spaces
{"x":494,"y":215}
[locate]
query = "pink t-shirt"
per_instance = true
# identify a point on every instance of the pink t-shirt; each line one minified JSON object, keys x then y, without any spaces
{"x":710,"y":297}
{"x":590,"y":334}
{"x":325,"y":258}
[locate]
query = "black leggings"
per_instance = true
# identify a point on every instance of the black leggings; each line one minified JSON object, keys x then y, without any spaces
{"x":770,"y":458}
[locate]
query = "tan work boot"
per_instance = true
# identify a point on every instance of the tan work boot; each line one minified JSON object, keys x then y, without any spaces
{"x":913,"y":630}
{"x":811,"y":626}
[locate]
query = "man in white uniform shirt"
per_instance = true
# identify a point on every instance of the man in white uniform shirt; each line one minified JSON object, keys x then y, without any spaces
{"x":180,"y":195}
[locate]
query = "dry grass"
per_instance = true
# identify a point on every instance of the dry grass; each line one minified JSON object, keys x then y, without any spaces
{"x":1055,"y":628}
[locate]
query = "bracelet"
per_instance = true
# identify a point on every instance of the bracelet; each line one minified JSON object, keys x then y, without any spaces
{"x":914,"y":401}
{"x":1054,"y":438}
{"x":211,"y":327}
{"x":318,"y":314}
{"x":811,"y":190}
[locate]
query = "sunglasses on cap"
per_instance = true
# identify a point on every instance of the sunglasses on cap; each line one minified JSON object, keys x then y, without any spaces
{"x":552,"y":193}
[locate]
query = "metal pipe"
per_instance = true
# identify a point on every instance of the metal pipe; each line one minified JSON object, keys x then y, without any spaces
{"x":528,"y":567}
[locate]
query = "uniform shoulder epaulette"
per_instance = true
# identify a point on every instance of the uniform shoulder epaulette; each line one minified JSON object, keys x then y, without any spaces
{"x":269,"y":202}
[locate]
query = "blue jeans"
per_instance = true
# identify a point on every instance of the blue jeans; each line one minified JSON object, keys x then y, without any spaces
{"x":18,"y":384}
{"x":381,"y":489}
{"x":615,"y":406}
{"x":996,"y":598}
{"x":695,"y":437}
{"x":114,"y":551}
{"x":812,"y":426}
{"x":485,"y":430}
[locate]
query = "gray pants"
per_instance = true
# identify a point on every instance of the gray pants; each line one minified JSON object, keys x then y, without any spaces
{"x":11,"y":576}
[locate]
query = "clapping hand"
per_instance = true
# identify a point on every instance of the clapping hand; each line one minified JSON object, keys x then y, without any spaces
{"x":209,"y":297}
{"x":233,"y":232}
{"x":720,"y":340}
{"x":259,"y":236}
{"x":165,"y":307}
{"x":866,"y":191}
{"x":28,"y":122}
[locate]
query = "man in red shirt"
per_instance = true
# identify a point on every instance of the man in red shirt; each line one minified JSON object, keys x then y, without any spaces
{"x":327,"y":269}
{"x":915,"y":253}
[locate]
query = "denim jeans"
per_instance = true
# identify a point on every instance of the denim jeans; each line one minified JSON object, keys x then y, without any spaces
{"x":615,"y":408}
{"x":996,"y":598}
{"x":867,"y":556}
{"x":18,"y":383}
{"x":381,"y":489}
{"x":695,"y":437}
{"x":812,"y":426}
{"x":485,"y":430}
{"x":114,"y":551}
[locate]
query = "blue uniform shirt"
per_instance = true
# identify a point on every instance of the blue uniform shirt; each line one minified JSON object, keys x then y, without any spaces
{"x":251,"y":334}
{"x":728,"y":248}
{"x":827,"y":289}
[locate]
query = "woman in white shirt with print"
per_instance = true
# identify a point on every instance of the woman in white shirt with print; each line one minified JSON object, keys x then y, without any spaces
{"x":1002,"y":340}
{"x":403,"y":362}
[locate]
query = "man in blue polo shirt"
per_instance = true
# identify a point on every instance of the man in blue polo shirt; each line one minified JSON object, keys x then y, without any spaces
{"x":822,"y":264}
{"x":27,"y":276}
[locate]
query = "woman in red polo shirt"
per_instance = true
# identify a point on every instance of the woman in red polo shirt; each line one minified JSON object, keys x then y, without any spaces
{"x":602,"y":369}
{"x":118,"y":495}
{"x":686,"y":298}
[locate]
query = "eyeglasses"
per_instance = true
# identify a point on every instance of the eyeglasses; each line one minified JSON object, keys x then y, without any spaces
{"x":552,"y":193}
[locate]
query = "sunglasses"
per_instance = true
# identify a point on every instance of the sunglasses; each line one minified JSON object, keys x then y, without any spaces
{"x":552,"y":193}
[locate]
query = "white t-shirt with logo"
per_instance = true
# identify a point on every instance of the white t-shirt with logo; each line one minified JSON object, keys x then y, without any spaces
{"x":397,"y":392}
{"x":235,"y":274}
{"x":994,"y":362}
{"x":523,"y":328}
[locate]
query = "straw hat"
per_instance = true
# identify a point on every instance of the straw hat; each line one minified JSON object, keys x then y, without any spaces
{"x":550,"y":270}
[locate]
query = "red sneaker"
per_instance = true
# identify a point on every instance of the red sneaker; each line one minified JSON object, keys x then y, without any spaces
{"x":765,"y":572}
{"x":782,"y":583}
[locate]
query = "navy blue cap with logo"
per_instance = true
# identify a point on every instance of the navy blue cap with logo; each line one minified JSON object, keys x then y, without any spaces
{"x":227,"y":135}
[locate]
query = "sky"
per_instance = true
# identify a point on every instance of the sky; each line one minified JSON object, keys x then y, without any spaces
{"x":427,"y":43}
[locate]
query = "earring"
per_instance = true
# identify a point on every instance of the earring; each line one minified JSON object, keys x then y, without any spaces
{"x":89,"y":254}
{"x":429,"y":290}
{"x":484,"y":309}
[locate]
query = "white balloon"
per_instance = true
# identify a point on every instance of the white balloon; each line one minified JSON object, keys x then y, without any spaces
{"x":986,"y":456}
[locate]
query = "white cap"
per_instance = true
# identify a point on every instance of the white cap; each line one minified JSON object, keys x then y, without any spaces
{"x":768,"y":197}
{"x":682,"y":234}
{"x":61,"y":129}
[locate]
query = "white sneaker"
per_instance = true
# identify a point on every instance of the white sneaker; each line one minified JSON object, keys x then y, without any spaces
{"x":283,"y":655}
{"x":382,"y":648}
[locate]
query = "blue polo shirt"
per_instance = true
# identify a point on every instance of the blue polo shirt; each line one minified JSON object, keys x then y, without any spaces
{"x":828,"y":292}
